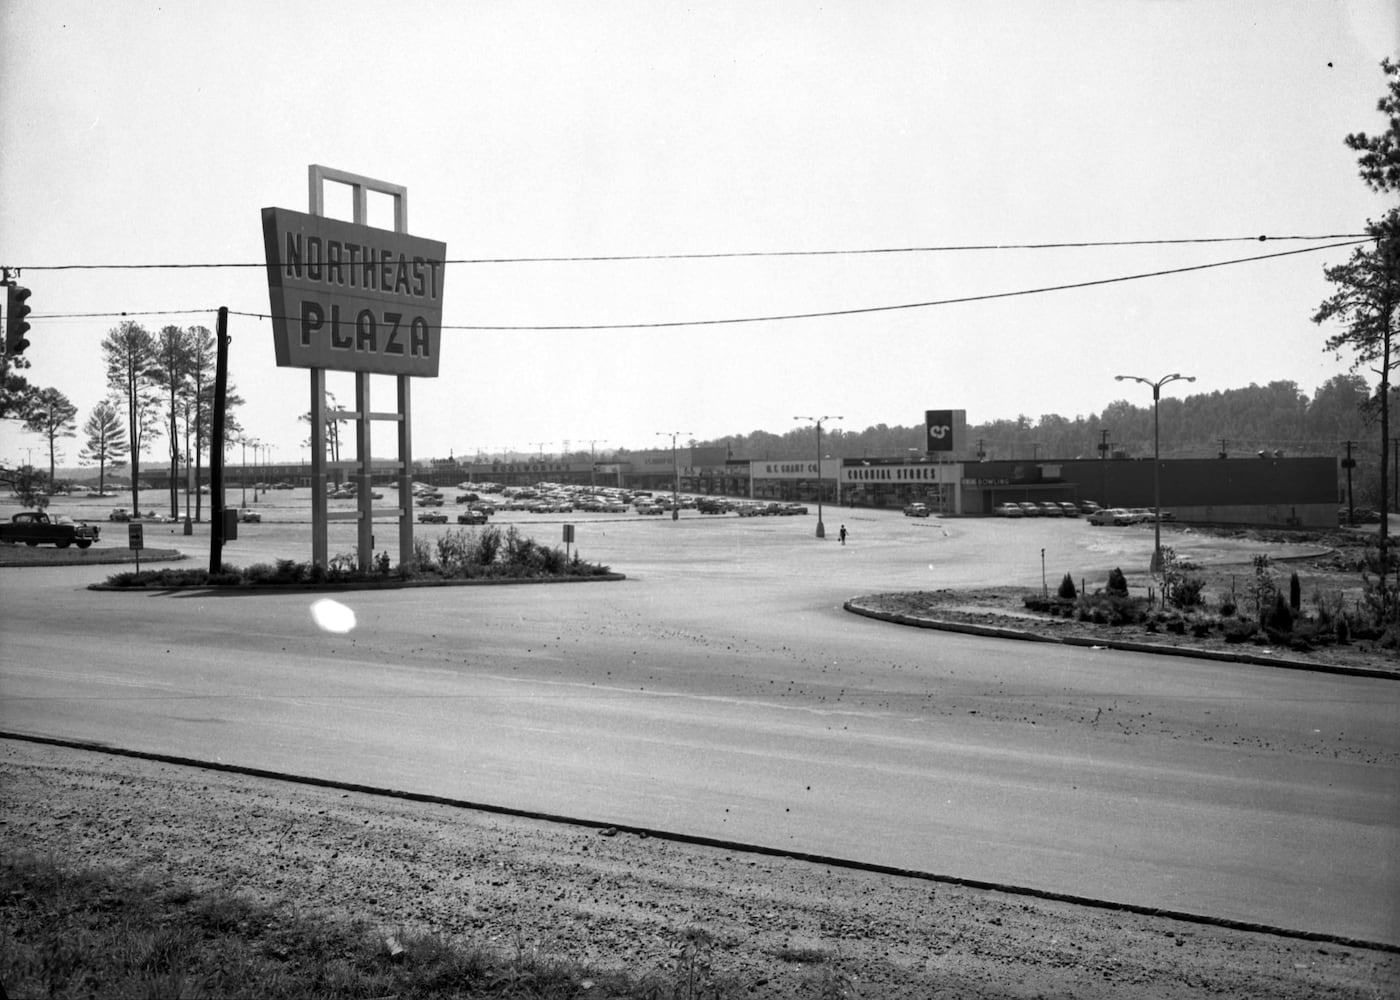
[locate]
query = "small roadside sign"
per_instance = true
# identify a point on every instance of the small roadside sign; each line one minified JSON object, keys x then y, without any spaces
{"x":135,"y":540}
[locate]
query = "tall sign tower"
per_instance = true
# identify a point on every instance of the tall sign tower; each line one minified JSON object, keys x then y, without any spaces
{"x":349,"y":297}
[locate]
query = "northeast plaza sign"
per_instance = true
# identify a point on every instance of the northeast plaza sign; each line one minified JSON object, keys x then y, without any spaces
{"x":349,"y":297}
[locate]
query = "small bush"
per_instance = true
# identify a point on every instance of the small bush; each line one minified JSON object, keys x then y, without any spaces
{"x":456,"y":549}
{"x":1186,"y":592}
{"x":1240,"y":631}
{"x":488,"y":545}
{"x":1113,"y":608}
{"x":1280,"y":617}
{"x":1067,"y":589}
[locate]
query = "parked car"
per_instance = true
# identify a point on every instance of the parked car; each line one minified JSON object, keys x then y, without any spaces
{"x":793,"y":508}
{"x":432,"y":517}
{"x":1110,"y":515}
{"x":35,"y":527}
{"x":1030,"y":509}
{"x":649,"y":508}
{"x":119,"y":514}
{"x":1070,"y":510}
{"x":916,"y":510}
{"x":1050,"y":508}
{"x":249,"y":516}
{"x":1087,"y":507}
{"x":469,"y":516}
{"x":1009,"y":509}
{"x":749,"y":510}
{"x":1141,"y":514}
{"x":428,"y":501}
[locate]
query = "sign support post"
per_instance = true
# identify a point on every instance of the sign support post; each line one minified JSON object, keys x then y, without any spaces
{"x":349,"y":297}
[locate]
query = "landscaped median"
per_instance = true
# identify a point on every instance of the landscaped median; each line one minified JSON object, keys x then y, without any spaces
{"x":993,"y":613}
{"x":456,"y":558}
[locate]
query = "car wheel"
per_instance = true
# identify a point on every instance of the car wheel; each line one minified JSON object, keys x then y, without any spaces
{"x":84,"y":543}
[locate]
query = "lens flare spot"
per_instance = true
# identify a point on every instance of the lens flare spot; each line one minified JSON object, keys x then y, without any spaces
{"x":332,"y":616}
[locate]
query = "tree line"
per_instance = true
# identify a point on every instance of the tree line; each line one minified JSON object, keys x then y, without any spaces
{"x":160,"y":385}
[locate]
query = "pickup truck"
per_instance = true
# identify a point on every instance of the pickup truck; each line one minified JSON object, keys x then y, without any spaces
{"x":35,"y":527}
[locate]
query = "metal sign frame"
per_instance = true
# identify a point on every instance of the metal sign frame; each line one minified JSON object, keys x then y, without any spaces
{"x":362,"y":414}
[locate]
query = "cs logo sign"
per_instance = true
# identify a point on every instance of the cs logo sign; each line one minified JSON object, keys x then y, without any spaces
{"x":939,"y":424}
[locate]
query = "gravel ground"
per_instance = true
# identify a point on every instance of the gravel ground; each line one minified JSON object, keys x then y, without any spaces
{"x":781,"y":927}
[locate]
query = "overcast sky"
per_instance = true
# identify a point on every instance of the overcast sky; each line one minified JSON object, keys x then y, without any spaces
{"x":153,"y":133}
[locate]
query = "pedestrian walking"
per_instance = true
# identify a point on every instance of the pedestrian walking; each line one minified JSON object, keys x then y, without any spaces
{"x":843,"y":534}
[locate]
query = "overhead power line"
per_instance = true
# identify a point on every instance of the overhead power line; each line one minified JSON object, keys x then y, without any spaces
{"x":886,"y":308}
{"x":953,"y":248}
{"x":860,"y":310}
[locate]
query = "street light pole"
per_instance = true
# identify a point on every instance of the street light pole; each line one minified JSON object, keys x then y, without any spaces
{"x":821,"y":528}
{"x":243,"y":472}
{"x":1156,"y":566}
{"x":675,"y":463}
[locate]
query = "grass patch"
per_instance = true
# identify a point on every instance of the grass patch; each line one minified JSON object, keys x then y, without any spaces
{"x":83,"y":932}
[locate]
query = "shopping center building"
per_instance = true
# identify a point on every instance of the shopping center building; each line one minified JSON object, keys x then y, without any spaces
{"x":947,"y":475}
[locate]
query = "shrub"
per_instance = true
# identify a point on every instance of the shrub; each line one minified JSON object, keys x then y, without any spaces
{"x":422,"y":559}
{"x":1110,"y":608}
{"x":1117,"y":582}
{"x":1280,"y":617}
{"x":1067,"y":589}
{"x":1295,"y":593}
{"x":1185,"y":592}
{"x":260,"y":573}
{"x":488,"y":545}
{"x":1240,"y":631}
{"x":1262,"y":588}
{"x":456,"y":549}
{"x":552,"y":560}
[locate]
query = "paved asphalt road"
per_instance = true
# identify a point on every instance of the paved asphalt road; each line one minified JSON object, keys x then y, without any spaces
{"x":722,"y":691}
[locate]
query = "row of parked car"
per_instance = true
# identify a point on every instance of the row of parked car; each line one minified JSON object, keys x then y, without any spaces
{"x":1087,"y":508}
{"x":1046,"y":508}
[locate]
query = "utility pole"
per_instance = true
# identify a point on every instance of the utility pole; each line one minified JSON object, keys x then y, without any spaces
{"x":219,"y":530}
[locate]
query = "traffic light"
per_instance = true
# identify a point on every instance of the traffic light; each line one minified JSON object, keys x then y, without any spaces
{"x":16,"y":326}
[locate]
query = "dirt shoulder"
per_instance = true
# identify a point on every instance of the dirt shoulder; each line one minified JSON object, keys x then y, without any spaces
{"x":781,"y":927}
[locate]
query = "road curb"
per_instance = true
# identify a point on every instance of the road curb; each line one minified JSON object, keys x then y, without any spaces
{"x":1001,"y":632}
{"x":331,"y":587}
